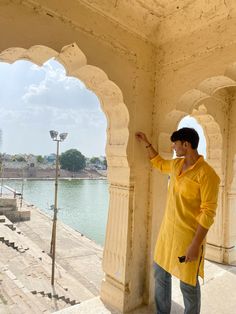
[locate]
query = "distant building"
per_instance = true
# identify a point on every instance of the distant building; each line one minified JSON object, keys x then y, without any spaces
{"x":51,"y":158}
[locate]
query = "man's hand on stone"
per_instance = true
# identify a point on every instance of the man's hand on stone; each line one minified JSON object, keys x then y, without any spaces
{"x":141,"y":137}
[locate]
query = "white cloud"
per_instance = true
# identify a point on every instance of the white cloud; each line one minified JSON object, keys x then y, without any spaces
{"x":58,"y":90}
{"x":35,"y":67}
{"x":52,"y":101}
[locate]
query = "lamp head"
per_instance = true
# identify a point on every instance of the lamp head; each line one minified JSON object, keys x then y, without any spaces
{"x":53,"y":134}
{"x":63,"y":136}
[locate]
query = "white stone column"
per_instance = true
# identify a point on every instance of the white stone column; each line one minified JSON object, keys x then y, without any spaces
{"x":118,"y":250}
{"x":125,"y":250}
{"x":230,"y":225}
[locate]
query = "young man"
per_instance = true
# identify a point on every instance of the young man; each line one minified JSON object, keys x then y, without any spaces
{"x":190,"y":210}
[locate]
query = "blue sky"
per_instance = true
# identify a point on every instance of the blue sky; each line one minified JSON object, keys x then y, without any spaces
{"x":34,"y":100}
{"x":190,"y":122}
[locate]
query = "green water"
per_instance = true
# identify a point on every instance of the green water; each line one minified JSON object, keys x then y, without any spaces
{"x":83,"y":203}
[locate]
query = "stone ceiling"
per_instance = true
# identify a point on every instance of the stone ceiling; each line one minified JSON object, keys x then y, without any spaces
{"x":157,"y":21}
{"x":140,"y":16}
{"x":162,"y":20}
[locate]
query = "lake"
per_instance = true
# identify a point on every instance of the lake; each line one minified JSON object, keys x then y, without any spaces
{"x":83,"y":204}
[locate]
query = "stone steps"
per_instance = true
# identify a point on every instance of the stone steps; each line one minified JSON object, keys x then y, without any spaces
{"x":35,"y":276}
{"x":49,"y":300}
{"x":18,"y":298}
{"x":9,"y":235}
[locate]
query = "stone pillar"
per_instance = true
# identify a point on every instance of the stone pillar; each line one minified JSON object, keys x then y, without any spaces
{"x":230,"y":239}
{"x":125,"y":250}
{"x":230,"y":197}
{"x":117,"y":251}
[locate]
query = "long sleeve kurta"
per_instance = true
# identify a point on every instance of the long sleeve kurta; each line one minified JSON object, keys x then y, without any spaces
{"x":192,"y":200}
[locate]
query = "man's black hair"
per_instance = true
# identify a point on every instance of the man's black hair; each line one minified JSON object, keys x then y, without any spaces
{"x":186,"y":135}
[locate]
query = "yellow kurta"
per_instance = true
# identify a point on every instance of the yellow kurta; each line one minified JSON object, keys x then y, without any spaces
{"x":192,"y":200}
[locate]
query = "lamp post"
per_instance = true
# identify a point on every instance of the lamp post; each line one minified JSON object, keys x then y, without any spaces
{"x":2,"y":172}
{"x":56,"y":138}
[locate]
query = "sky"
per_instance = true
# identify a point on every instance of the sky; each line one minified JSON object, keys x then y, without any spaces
{"x":190,"y":122}
{"x":34,"y":100}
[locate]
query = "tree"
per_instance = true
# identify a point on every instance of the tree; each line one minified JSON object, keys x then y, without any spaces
{"x":19,"y":158}
{"x":104,"y":162}
{"x":72,"y":160}
{"x":40,"y":159}
{"x":95,"y":160}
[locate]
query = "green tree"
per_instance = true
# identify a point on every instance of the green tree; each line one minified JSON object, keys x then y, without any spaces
{"x":19,"y":158}
{"x":72,"y":160}
{"x":95,"y":160}
{"x":40,"y":159}
{"x":104,"y":162}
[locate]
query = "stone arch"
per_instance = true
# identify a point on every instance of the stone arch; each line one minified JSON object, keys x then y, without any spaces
{"x":116,"y":257}
{"x":198,"y":103}
{"x":95,"y":79}
{"x":209,"y":105}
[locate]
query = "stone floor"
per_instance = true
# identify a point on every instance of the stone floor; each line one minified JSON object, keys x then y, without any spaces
{"x":218,"y":295}
{"x":79,"y":274}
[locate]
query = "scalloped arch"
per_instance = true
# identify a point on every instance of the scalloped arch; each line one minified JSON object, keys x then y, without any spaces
{"x":191,"y":103}
{"x":109,"y":94}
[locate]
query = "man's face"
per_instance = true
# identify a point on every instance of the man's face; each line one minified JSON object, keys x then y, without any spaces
{"x":179,"y":148}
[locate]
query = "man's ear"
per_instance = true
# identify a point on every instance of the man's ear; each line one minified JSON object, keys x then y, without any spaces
{"x":186,"y":144}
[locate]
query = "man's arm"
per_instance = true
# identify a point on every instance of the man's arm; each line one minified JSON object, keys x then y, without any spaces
{"x":142,"y":138}
{"x":209,"y":195}
{"x":163,"y":165}
{"x":192,"y":252}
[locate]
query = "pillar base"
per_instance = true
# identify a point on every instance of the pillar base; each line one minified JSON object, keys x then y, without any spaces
{"x":221,"y":255}
{"x":214,"y":253}
{"x":118,"y":296}
{"x":113,"y":293}
{"x":230,"y":256}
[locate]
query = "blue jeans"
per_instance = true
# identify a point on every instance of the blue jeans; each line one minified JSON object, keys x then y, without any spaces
{"x":191,"y":294}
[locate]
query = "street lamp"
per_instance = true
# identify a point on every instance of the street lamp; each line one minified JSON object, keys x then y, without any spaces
{"x":2,"y":171}
{"x":58,"y":139}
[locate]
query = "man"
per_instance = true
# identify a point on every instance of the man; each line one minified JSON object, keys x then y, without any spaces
{"x":190,"y":210}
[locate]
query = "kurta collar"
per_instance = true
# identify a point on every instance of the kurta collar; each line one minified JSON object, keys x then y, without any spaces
{"x":198,"y":162}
